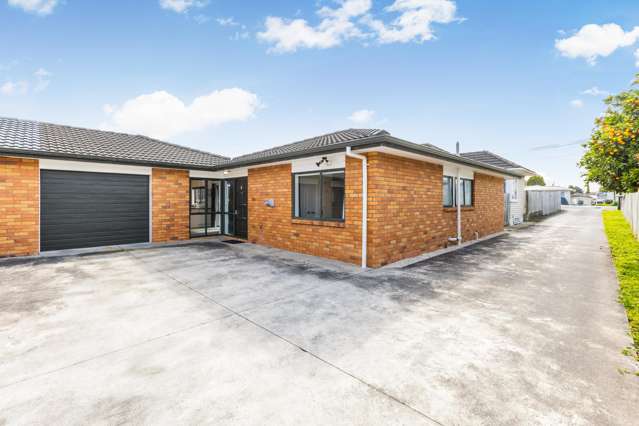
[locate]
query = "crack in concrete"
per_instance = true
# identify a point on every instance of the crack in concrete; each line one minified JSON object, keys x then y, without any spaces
{"x":114,"y":351}
{"x":301,"y":348}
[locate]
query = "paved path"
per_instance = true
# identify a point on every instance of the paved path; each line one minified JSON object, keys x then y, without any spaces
{"x":525,"y":328}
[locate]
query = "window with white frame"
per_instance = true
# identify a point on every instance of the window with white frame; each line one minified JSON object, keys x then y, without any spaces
{"x":319,"y":195}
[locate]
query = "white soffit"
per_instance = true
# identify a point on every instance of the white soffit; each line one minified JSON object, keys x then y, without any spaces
{"x":220,"y":174}
{"x":92,"y":167}
{"x":424,"y":157}
{"x":316,"y":163}
{"x":464,"y":172}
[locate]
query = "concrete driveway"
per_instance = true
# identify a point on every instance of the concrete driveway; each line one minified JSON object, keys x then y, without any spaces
{"x":525,"y":328}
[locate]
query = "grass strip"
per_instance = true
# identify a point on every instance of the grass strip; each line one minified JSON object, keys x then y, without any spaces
{"x":625,"y":254}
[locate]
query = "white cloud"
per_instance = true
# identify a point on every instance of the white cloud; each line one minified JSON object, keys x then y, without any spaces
{"x":181,"y":6}
{"x":11,"y":88}
{"x":353,"y":19}
{"x":577,"y":103}
{"x":595,"y":91}
{"x":39,"y":7}
{"x":335,"y":27}
{"x":43,"y":79}
{"x":362,"y":116}
{"x":227,"y":22}
{"x":108,"y":109}
{"x":40,"y":82}
{"x":240,"y":36}
{"x":593,"y":41}
{"x":201,"y":19}
{"x":415,"y":20}
{"x":637,"y":58}
{"x":163,"y":115}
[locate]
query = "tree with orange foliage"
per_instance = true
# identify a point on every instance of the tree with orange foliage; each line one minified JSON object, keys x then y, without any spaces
{"x":612,"y":156}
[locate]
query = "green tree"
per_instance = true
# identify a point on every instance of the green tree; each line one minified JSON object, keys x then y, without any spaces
{"x":613,"y":149}
{"x":576,"y":189}
{"x":536,"y":180}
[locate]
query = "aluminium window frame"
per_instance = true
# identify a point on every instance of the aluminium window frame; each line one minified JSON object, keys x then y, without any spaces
{"x":453,"y":183}
{"x":295,"y":189}
{"x":207,"y":209}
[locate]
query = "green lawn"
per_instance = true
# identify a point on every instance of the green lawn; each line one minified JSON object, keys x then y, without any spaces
{"x":625,"y":253}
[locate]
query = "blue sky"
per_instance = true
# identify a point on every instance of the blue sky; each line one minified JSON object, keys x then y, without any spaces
{"x":221,"y":75}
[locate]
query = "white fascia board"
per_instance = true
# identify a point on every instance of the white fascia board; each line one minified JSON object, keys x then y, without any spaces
{"x":92,"y":167}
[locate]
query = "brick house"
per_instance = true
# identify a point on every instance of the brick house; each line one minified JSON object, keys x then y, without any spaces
{"x":360,"y":195}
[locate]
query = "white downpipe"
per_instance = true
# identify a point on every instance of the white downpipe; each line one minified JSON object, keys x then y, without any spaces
{"x":364,"y":200}
{"x":459,"y":223}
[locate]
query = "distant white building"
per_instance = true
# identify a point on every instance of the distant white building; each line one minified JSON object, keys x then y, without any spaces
{"x":607,"y":197}
{"x":580,"y":199}
{"x":514,"y":188}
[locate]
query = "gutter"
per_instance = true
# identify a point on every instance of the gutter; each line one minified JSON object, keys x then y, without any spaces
{"x":109,"y":160}
{"x":349,"y":153}
{"x":367,"y":142}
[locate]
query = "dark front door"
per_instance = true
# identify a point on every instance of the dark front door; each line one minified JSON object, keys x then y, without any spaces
{"x":241,"y":207}
{"x":81,"y":209}
{"x":236,"y":207}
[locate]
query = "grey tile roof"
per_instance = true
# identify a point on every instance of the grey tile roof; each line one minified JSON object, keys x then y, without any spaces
{"x":46,"y":139}
{"x":311,"y":144}
{"x":40,"y":139}
{"x":430,"y":145}
{"x":492,"y":159}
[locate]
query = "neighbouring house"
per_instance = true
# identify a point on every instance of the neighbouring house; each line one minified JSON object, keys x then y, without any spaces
{"x":514,"y":187}
{"x":545,"y":200}
{"x":359,"y":195}
{"x":581,"y":199}
{"x":606,"y":197}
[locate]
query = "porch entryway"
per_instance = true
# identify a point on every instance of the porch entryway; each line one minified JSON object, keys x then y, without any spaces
{"x":219,"y":207}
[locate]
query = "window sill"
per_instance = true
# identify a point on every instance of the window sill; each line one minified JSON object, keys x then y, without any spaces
{"x":310,"y":222}
{"x":454,"y":209}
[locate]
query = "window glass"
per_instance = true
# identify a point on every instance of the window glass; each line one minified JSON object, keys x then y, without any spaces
{"x":332,"y":195}
{"x":309,"y":196}
{"x":320,"y":195}
{"x":448,"y":191}
{"x":467,"y":186}
{"x":198,"y":196}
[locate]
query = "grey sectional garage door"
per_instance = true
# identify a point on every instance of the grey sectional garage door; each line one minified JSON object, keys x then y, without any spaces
{"x":80,"y":209}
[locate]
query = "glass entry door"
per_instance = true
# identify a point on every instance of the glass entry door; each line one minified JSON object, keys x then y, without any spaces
{"x":205,"y":207}
{"x":236,"y":207}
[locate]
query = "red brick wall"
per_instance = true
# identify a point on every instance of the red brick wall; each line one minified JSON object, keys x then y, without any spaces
{"x":274,"y":226}
{"x":406,"y":216}
{"x":405,"y":213}
{"x":487,"y":214}
{"x":170,"y":197}
{"x":405,"y":208}
{"x":19,"y":207}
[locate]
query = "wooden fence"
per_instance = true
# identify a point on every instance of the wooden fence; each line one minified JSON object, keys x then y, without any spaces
{"x":542,"y":203}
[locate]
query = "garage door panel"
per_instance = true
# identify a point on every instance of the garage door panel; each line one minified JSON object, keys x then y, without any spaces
{"x":81,"y":209}
{"x":103,"y":211}
{"x":95,"y":229}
